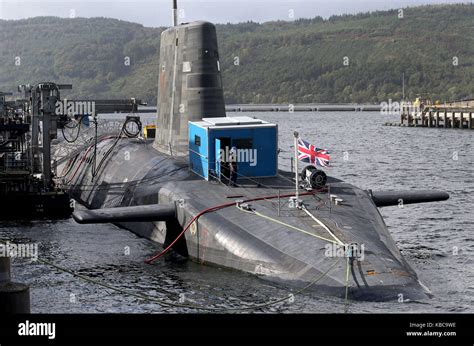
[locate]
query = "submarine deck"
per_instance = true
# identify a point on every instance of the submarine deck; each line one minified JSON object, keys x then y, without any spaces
{"x":270,"y":239}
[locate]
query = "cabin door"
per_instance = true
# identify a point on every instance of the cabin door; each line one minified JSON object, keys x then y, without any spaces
{"x":218,"y":158}
{"x":222,"y":147}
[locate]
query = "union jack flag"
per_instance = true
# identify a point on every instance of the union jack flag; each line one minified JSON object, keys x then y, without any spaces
{"x":310,"y":154}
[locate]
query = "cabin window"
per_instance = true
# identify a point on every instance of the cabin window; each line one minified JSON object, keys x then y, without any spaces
{"x":197,"y":140}
{"x":203,"y":81}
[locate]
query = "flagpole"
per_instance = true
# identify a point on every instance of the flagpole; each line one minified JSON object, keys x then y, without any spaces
{"x":297,"y":177}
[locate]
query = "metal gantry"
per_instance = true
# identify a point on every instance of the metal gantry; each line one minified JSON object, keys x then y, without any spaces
{"x":30,"y":149}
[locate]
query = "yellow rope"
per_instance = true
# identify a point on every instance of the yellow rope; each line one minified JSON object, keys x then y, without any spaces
{"x":347,"y":283}
{"x":336,"y":241}
{"x":189,"y":306}
{"x":136,"y":295}
{"x":287,"y":225}
{"x":323,"y":226}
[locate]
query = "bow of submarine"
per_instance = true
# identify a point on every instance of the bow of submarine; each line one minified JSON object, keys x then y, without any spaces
{"x":287,"y":247}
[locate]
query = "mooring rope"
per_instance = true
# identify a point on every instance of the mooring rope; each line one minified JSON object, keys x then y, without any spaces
{"x":323,"y":226}
{"x":287,"y":225}
{"x":346,"y":301}
{"x":180,"y":305}
{"x":337,"y":241}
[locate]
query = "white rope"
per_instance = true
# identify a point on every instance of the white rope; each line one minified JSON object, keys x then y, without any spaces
{"x":287,"y":225}
{"x":323,"y":226}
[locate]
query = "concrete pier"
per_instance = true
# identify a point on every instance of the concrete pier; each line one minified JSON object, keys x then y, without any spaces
{"x":438,"y":117}
{"x":14,"y":297}
{"x":309,"y":107}
{"x":290,"y":108}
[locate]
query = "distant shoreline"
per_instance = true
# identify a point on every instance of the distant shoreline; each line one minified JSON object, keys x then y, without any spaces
{"x":311,"y":107}
{"x":307,"y":107}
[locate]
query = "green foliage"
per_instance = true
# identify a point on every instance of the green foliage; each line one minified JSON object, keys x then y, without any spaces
{"x":279,"y":62}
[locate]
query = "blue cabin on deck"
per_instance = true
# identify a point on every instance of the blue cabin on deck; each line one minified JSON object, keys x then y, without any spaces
{"x":211,"y":141}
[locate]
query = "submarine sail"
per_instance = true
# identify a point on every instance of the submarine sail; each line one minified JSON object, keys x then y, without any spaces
{"x":190,"y":83}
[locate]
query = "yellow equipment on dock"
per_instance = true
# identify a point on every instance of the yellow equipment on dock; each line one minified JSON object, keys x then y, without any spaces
{"x":149,"y":131}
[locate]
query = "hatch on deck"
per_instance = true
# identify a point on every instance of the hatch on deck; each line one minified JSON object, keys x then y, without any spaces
{"x":211,"y":141}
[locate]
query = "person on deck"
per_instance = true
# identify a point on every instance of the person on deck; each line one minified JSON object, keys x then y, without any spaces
{"x":233,"y":166}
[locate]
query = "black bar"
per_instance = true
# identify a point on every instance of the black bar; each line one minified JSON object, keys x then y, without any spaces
{"x":324,"y":329}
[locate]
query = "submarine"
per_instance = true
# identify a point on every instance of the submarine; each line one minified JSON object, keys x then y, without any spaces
{"x":302,"y":229}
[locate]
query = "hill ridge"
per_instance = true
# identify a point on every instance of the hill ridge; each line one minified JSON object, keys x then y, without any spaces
{"x":349,"y":58}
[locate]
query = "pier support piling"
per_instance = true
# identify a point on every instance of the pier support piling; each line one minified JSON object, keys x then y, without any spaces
{"x":5,"y":273}
{"x":437,"y":117}
{"x":14,"y":297}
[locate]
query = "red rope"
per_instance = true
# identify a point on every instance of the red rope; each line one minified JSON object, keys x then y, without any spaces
{"x":84,"y":157}
{"x":215,"y":208}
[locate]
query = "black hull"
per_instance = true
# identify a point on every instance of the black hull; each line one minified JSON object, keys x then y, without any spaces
{"x":233,"y":239}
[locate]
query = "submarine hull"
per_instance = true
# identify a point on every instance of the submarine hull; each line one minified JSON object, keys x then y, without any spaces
{"x":339,"y":247}
{"x":279,"y":243}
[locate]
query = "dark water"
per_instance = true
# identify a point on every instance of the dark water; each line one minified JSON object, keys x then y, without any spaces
{"x":437,"y":238}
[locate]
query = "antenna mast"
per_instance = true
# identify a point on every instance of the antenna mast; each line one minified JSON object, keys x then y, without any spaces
{"x":175,"y":12}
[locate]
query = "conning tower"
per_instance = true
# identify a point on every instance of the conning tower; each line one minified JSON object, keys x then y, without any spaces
{"x":190,"y":83}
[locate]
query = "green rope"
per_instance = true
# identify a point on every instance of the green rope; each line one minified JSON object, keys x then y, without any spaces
{"x":337,"y":241}
{"x":323,"y":226}
{"x":287,"y":225}
{"x":347,"y":282}
{"x":189,"y":306}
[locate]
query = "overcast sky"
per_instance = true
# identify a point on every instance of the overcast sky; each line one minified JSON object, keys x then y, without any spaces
{"x":157,"y":12}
